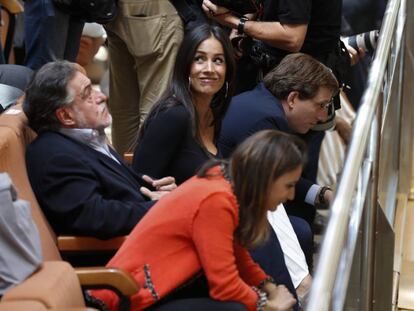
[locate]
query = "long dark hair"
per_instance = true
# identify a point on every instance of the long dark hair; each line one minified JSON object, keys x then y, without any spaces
{"x":179,"y":93}
{"x":253,"y":167}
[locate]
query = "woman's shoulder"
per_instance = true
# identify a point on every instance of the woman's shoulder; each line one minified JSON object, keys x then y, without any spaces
{"x":203,"y":192}
{"x":216,"y":186}
{"x":211,"y":183}
{"x":219,"y":200}
{"x":169,"y":115}
{"x":174,"y":108}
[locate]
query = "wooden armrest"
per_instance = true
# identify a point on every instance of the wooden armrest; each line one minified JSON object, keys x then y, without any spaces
{"x":72,"y":309}
{"x":128,"y":156}
{"x":13,"y":6}
{"x":22,"y":305}
{"x":97,"y":277}
{"x":76,"y":243}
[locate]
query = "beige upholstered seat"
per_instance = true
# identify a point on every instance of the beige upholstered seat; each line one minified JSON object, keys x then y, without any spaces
{"x":56,"y":285}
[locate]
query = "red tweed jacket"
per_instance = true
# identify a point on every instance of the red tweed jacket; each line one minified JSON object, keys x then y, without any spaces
{"x":189,"y":230}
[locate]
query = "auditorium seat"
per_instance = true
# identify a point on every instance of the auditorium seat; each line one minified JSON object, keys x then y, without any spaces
{"x":57,"y":286}
{"x":11,"y":8}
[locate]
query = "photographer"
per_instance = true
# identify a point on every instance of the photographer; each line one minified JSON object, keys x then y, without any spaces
{"x":282,"y":27}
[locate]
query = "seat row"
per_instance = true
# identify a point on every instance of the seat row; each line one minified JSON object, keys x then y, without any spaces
{"x":56,"y":285}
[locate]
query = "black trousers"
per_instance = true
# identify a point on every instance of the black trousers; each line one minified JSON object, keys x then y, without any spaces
{"x":199,"y":304}
{"x":194,"y":295}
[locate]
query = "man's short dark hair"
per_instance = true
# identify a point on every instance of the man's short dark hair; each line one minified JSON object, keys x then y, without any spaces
{"x":302,"y":73}
{"x":47,"y":92}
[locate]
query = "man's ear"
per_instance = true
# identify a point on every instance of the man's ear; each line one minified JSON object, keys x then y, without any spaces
{"x":291,"y":99}
{"x":65,"y":115}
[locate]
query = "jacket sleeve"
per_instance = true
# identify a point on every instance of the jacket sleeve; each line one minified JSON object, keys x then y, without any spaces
{"x":161,"y":141}
{"x":249,"y":270}
{"x":213,"y":234}
{"x":76,"y":203}
{"x":301,"y":189}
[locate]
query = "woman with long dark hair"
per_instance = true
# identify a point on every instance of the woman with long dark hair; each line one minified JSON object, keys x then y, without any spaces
{"x":190,"y":249}
{"x":179,"y":134}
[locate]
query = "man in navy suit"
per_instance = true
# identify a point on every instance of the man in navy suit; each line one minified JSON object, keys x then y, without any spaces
{"x":83,"y":186}
{"x":293,"y":97}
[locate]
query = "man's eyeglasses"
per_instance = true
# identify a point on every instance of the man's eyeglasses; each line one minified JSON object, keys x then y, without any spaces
{"x":324,"y":105}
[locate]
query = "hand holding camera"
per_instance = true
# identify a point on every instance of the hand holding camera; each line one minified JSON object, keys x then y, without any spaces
{"x":359,"y":44}
{"x":242,"y":45}
{"x":214,"y":10}
{"x":367,"y":40}
{"x":235,"y":40}
{"x":241,"y":7}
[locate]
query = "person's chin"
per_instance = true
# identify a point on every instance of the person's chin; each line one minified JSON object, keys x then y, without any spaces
{"x":273,"y":208}
{"x":104,"y":125}
{"x":302,"y":129}
{"x":210,"y":92}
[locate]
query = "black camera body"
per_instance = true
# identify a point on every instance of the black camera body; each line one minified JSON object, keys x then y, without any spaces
{"x":256,"y":51}
{"x":239,"y":6}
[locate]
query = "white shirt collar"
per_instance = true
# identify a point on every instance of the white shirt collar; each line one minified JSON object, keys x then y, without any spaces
{"x":93,"y":138}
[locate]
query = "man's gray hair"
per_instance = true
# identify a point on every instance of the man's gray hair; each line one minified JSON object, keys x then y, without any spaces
{"x":48,"y":91}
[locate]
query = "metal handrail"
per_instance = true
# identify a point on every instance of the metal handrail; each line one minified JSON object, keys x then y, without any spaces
{"x":337,"y":228}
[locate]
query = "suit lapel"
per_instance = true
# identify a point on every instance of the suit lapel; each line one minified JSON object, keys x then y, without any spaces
{"x":120,"y":169}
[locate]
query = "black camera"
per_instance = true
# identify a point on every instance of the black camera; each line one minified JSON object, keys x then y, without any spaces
{"x":242,"y":43}
{"x":258,"y":53}
{"x":367,"y":40}
{"x":239,"y":6}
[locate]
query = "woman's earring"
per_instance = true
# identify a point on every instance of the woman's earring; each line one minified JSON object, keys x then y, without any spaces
{"x":227,"y":89}
{"x":189,"y":83}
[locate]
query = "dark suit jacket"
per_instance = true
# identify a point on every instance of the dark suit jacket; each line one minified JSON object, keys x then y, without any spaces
{"x":251,"y":112}
{"x":248,"y":113}
{"x":81,"y":190}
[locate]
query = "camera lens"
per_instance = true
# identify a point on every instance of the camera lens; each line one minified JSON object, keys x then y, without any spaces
{"x":367,"y":40}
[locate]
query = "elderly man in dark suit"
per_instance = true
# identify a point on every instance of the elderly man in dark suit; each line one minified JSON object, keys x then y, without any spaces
{"x":293,"y":97}
{"x":83,"y":186}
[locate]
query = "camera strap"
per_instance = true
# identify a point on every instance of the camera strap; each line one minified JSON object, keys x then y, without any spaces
{"x":185,"y":11}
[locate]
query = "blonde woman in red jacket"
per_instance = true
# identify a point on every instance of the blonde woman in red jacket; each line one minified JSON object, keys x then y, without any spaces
{"x":189,"y":252}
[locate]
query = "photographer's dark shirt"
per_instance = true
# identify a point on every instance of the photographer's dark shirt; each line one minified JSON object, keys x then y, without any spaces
{"x":322,"y":16}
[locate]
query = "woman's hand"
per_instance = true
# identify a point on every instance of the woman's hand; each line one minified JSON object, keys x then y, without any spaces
{"x":162,"y":187}
{"x":279,"y":299}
